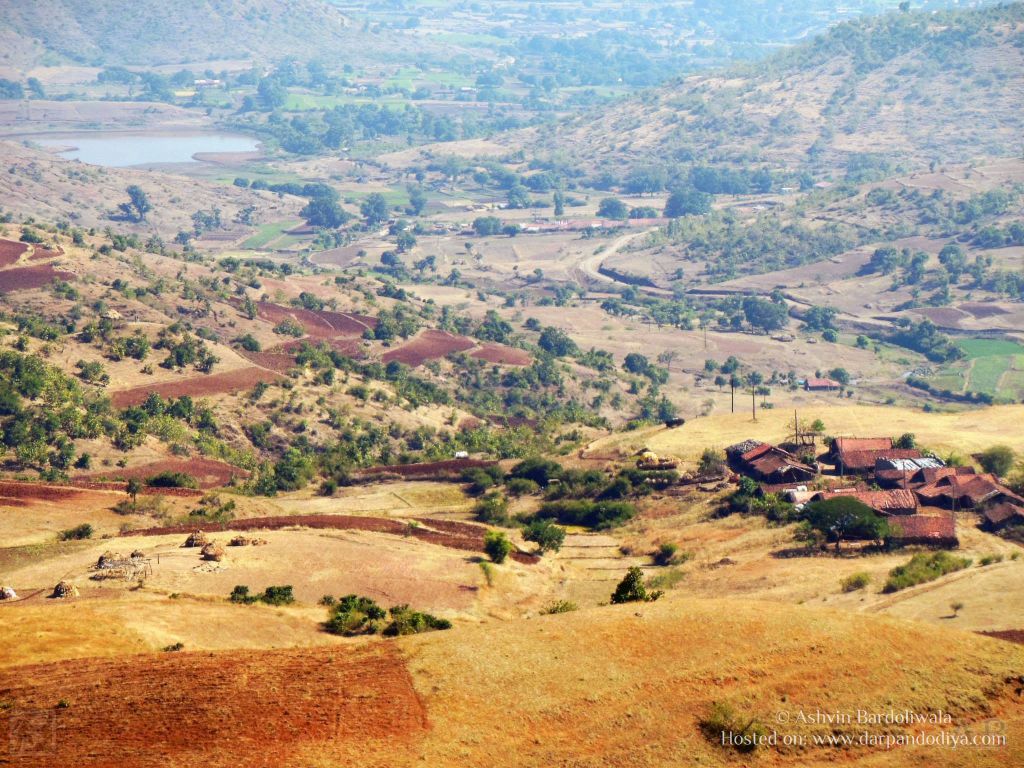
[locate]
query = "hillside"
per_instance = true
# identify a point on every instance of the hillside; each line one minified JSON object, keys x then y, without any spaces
{"x":868,"y":97}
{"x":569,"y":689}
{"x":151,"y":32}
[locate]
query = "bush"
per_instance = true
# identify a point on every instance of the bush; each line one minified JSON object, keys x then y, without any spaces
{"x":546,"y":534}
{"x":855,"y":581}
{"x":353,"y":615}
{"x":520,"y":486}
{"x":632,"y":590}
{"x":559,"y":606}
{"x":990,"y":559}
{"x":240,"y":594}
{"x":725,"y":727}
{"x":172,"y":480}
{"x":173,"y":647}
{"x":923,"y":568}
{"x":590,"y":514}
{"x":669,"y":554}
{"x":405,"y":621}
{"x":998,"y":460}
{"x":278,"y":596}
{"x":83,"y":531}
{"x":492,"y":509}
{"x":540,"y":471}
{"x":497,"y":546}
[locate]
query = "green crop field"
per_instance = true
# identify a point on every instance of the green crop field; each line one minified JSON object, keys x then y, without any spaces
{"x":989,"y":347}
{"x":268,"y":233}
{"x":986,"y":373}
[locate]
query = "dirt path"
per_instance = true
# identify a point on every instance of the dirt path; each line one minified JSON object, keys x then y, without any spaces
{"x":586,"y":271}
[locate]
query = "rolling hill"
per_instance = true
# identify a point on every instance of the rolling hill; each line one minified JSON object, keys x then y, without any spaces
{"x":868,"y":98}
{"x":150,"y":32}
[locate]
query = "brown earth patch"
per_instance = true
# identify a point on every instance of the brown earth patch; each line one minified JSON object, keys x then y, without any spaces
{"x":36,"y":492}
{"x":445,"y":533}
{"x":432,"y":469}
{"x":10,"y":252}
{"x":322,"y":324}
{"x":209,"y":473}
{"x":42,"y":254}
{"x":429,"y":345}
{"x":197,"y":386}
{"x":226,"y":709}
{"x":943,"y":316}
{"x":1010,"y":635}
{"x":983,"y":310}
{"x":502,"y":355}
{"x":27,"y":278}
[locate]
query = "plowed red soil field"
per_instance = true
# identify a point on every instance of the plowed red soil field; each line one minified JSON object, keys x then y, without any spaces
{"x":10,"y":252}
{"x":42,"y":254}
{"x":36,"y":492}
{"x":445,"y":533}
{"x":196,"y":386}
{"x":27,"y":278}
{"x":318,"y":324}
{"x":502,"y":355}
{"x":234,"y":709}
{"x":429,"y":345}
{"x":209,"y":473}
{"x":452,"y":467}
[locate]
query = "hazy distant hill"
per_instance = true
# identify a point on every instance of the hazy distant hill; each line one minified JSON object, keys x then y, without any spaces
{"x":146,"y":32}
{"x":900,"y":89}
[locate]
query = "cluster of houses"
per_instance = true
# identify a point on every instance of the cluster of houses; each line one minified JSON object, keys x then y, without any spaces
{"x":919,"y":493}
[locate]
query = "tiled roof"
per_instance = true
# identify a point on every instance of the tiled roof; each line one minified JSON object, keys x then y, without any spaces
{"x":1000,"y":513}
{"x":925,"y":527}
{"x":865,"y":459}
{"x":861,"y":444}
{"x":880,"y":501}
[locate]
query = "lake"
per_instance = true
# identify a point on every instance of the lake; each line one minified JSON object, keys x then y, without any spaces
{"x":119,"y":150}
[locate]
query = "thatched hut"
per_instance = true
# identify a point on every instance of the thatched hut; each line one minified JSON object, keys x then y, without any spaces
{"x":196,"y":539}
{"x":65,"y":589}
{"x":8,"y":593}
{"x":213,"y":551}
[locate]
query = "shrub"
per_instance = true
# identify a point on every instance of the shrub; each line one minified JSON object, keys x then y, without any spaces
{"x":711,"y":462}
{"x":497,"y":546}
{"x":726,"y":727}
{"x":669,"y":554}
{"x":632,"y":590}
{"x":173,"y":647}
{"x":492,"y":509}
{"x":405,"y":621}
{"x":83,"y":531}
{"x":855,"y":581}
{"x":278,"y":596}
{"x":488,"y":570}
{"x":353,"y":615}
{"x":923,"y":568}
{"x":990,"y":559}
{"x":667,"y":579}
{"x":546,"y":534}
{"x":559,"y":606}
{"x":598,"y":515}
{"x":998,"y":460}
{"x":172,"y":480}
{"x":240,"y":594}
{"x":521,"y":486}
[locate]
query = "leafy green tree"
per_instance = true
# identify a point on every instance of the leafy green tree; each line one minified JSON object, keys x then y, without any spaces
{"x":613,"y":208}
{"x":138,"y":204}
{"x":687,"y":202}
{"x":487,"y":225}
{"x":559,"y":203}
{"x":999,"y":460}
{"x":324,"y":212}
{"x":844,"y":517}
{"x":546,"y":534}
{"x":557,"y":342}
{"x":374,"y":209}
{"x":764,"y":314}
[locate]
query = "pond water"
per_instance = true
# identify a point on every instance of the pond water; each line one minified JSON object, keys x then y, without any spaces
{"x":119,"y":150}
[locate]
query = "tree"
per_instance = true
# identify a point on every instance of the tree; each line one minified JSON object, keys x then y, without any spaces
{"x":11,"y":89}
{"x":324,"y":212}
{"x":374,"y":209}
{"x":952,"y":257}
{"x":417,"y":199}
{"x":636,"y":363}
{"x":497,"y":546}
{"x":133,"y":488}
{"x":687,"y":202}
{"x":613,"y":208}
{"x":557,"y":342}
{"x":138,"y":204}
{"x":843,"y":517}
{"x":546,"y":534}
{"x":559,"y":203}
{"x":764,"y":314}
{"x":487,"y":225}
{"x":271,"y":93}
{"x":632,"y":590}
{"x":841,"y":375}
{"x":998,"y":460}
{"x":906,"y":441}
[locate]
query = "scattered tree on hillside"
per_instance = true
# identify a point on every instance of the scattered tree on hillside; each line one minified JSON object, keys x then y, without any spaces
{"x":138,"y":204}
{"x":632,"y":590}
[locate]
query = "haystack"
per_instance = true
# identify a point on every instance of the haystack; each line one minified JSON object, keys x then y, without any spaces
{"x":109,"y":560}
{"x":138,"y":554}
{"x":8,"y":593}
{"x":65,"y":589}
{"x":196,"y":539}
{"x":213,"y":551}
{"x":240,"y":541}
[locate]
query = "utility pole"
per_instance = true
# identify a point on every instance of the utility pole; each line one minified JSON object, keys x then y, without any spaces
{"x":753,"y":402}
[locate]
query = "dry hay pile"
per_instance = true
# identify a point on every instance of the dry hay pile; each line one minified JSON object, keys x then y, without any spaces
{"x":138,"y":554}
{"x":110,"y":560}
{"x":65,"y":589}
{"x":196,"y":539}
{"x":245,"y":541}
{"x":213,"y":551}
{"x":8,"y":593}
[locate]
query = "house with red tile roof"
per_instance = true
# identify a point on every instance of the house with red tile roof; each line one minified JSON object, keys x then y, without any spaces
{"x":862,"y":462}
{"x":892,"y":502}
{"x":768,"y":463}
{"x":814,"y":384}
{"x":966,"y":492}
{"x":927,"y":530}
